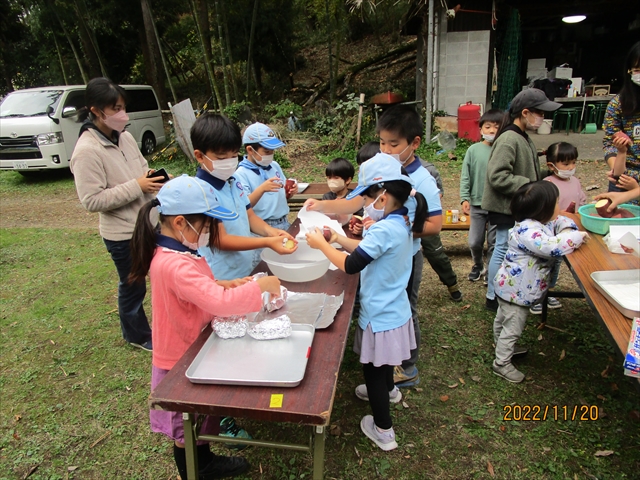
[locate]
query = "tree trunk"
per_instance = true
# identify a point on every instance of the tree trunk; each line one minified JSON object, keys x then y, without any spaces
{"x":64,"y":72}
{"x":83,"y":16}
{"x":332,"y":83}
{"x":206,"y":50}
{"x":152,"y":62}
{"x":227,"y":94}
{"x":163,"y":58}
{"x":234,"y":84}
{"x":83,"y":73}
{"x":254,"y":19}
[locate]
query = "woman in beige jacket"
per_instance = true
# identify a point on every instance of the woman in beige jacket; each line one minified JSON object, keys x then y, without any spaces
{"x":111,"y":179}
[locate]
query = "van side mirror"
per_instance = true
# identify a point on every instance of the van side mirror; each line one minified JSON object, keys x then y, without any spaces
{"x":49,"y":112}
{"x":69,"y":112}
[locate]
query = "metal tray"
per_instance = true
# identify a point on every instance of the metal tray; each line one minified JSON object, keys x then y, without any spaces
{"x":621,"y":288}
{"x":245,"y":361}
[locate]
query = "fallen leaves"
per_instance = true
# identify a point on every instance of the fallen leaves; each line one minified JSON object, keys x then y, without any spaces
{"x":335,"y":430}
{"x":605,"y":373}
{"x":604,"y":453}
{"x":466,"y":307}
{"x":455,"y":385}
{"x":475,"y":378}
{"x":562,"y":355}
{"x":490,"y":469}
{"x":444,"y":398}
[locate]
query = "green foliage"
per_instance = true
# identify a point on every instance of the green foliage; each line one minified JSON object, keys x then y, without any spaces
{"x":281,"y":110}
{"x":431,"y":151}
{"x":236,"y":110}
{"x":339,"y":125}
{"x":282,"y":159}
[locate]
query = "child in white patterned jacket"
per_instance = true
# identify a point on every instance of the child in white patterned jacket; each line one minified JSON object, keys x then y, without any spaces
{"x":536,"y":241}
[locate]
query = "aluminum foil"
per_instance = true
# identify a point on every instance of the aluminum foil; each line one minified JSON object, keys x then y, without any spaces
{"x":279,"y":327}
{"x":317,"y":309}
{"x":234,"y":326}
{"x":272,"y":304}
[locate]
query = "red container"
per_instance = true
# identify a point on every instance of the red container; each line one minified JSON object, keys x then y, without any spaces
{"x":469,"y":122}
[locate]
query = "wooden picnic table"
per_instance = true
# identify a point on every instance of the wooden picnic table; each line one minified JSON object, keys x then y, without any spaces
{"x":458,"y":225}
{"x":594,"y":256}
{"x":310,"y":403}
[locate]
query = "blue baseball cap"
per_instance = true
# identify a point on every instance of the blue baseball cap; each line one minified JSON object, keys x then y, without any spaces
{"x":378,"y":169}
{"x":186,"y":195}
{"x":262,"y":134}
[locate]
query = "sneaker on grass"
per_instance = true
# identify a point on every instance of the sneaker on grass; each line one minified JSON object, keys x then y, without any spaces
{"x":224,"y":467}
{"x":552,"y":304}
{"x":508,"y":372}
{"x":395,"y":395}
{"x":405,"y":377}
{"x":385,"y":439}
{"x":228,"y":428}
{"x":146,"y":346}
{"x":476,"y":273}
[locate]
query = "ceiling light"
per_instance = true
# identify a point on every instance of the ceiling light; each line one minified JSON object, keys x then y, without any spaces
{"x":574,"y":18}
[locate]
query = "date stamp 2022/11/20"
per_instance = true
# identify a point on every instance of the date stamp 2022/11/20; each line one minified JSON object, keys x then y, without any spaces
{"x":541,"y":413}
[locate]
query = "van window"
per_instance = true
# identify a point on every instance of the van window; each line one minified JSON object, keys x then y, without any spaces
{"x":75,"y":99}
{"x":29,"y":104}
{"x":141,"y":101}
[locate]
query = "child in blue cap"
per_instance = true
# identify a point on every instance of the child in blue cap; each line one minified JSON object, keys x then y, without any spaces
{"x":385,"y":334}
{"x":262,"y":178}
{"x":216,"y":141}
{"x":185,"y":296}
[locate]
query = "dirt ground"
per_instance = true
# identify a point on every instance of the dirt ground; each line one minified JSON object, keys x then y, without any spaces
{"x":62,"y":207}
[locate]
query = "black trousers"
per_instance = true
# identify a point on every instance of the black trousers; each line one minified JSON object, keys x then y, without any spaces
{"x":379,"y":382}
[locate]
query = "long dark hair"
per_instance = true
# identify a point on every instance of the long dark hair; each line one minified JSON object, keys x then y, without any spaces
{"x":143,"y":241}
{"x":400,"y":190}
{"x":100,"y":93}
{"x":630,"y":93}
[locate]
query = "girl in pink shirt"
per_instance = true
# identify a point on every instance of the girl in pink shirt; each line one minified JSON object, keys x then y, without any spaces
{"x":185,"y":296}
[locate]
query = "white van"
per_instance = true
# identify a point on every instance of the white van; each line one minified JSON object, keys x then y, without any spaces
{"x":39,"y":126}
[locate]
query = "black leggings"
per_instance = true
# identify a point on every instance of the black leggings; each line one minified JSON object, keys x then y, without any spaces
{"x":379,"y":382}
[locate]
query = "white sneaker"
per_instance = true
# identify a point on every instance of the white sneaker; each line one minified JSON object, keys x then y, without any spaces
{"x":395,"y":395}
{"x":386,"y":439}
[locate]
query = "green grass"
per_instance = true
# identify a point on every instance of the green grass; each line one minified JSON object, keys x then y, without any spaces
{"x":75,"y":395}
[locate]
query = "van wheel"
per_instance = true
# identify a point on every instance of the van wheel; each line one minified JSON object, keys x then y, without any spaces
{"x":148,"y":143}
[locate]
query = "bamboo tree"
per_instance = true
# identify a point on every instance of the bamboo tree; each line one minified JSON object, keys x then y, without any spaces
{"x":153,"y":51}
{"x":254,"y":19}
{"x":332,"y":83}
{"x":227,"y":95}
{"x":234,"y":84}
{"x":215,"y":93}
{"x":162,"y":57}
{"x":53,"y":9}
{"x":64,"y":72}
{"x":83,"y":15}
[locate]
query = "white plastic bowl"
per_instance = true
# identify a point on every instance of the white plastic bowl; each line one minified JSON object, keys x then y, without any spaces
{"x":303,"y":265}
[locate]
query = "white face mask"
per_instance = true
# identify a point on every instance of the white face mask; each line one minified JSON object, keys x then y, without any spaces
{"x":222,"y":169}
{"x":537,"y":121}
{"x":265,"y":160}
{"x":488,"y":138}
{"x":565,"y":174}
{"x":397,"y":156}
{"x":635,"y":78}
{"x":376,"y":214}
{"x":336,"y":184}
{"x":203,"y":239}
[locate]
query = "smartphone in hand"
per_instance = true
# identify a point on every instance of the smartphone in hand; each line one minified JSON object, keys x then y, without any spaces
{"x":160,"y":173}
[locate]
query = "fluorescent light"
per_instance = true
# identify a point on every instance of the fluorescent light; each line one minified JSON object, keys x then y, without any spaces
{"x":574,"y":18}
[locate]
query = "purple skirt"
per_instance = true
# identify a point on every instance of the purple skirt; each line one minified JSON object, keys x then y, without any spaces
{"x":390,"y":347}
{"x":170,"y":423}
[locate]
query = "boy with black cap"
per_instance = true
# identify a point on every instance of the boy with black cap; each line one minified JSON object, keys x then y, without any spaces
{"x":512,"y":164}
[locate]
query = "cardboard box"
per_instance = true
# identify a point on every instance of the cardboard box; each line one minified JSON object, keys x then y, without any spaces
{"x":597,"y":90}
{"x":560,"y":72}
{"x":537,"y":64}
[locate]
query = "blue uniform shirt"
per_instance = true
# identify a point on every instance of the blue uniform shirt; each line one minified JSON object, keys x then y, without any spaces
{"x":426,"y":185}
{"x":383,"y":282}
{"x":227,"y":265}
{"x":272,"y":205}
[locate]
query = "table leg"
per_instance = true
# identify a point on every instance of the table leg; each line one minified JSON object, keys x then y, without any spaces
{"x":190,"y":446}
{"x":318,"y":453}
